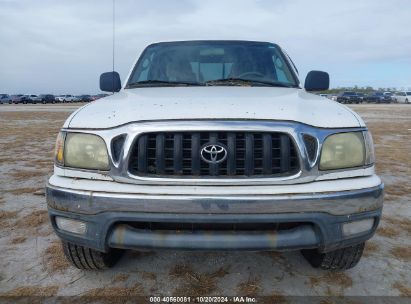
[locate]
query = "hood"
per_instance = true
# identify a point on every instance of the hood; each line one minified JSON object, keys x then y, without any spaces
{"x":219,"y":102}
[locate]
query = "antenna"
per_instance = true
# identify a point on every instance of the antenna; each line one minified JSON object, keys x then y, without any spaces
{"x":114,"y":36}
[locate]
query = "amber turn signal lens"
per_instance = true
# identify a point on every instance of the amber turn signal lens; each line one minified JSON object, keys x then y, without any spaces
{"x":59,"y":149}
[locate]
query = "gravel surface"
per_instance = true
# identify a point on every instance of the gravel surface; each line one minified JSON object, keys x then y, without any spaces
{"x":32,"y":262}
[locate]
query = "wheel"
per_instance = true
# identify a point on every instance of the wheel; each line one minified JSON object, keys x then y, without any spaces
{"x":90,"y":259}
{"x":340,"y":259}
{"x":406,"y":101}
{"x":44,"y":102}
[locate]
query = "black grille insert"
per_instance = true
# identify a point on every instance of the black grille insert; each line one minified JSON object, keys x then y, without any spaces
{"x":116,"y":146}
{"x":213,"y":227}
{"x":311,"y":146}
{"x":249,"y":154}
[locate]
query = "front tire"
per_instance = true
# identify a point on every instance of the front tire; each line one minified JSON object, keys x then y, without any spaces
{"x":89,"y":259}
{"x":337,"y":260}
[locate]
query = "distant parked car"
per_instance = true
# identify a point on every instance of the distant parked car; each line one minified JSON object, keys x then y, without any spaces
{"x":84,"y":98}
{"x":362,"y":97}
{"x":17,"y":98}
{"x":388,"y":96}
{"x":379,"y":97}
{"x":66,"y":98}
{"x":348,"y":97}
{"x":30,"y":98}
{"x":35,"y":98}
{"x":402,"y":97}
{"x":47,"y":98}
{"x":334,"y":97}
{"x":5,"y":98}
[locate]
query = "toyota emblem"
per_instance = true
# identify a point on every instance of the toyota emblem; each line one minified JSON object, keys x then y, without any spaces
{"x":213,"y":153}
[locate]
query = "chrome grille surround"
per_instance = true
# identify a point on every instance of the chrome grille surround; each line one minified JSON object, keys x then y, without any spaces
{"x":308,"y":170}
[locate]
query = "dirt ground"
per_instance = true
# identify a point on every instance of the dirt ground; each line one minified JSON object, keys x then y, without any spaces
{"x":32,"y":261}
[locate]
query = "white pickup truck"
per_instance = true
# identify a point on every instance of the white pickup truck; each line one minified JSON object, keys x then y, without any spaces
{"x":214,"y":145}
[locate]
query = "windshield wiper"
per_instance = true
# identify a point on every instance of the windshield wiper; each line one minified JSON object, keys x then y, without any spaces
{"x":153,"y":83}
{"x":241,"y":81}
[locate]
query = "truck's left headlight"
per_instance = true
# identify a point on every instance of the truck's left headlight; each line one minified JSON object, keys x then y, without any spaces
{"x":80,"y":150}
{"x":347,"y":150}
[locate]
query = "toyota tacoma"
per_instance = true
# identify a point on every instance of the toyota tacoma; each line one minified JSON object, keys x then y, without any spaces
{"x":214,"y":145}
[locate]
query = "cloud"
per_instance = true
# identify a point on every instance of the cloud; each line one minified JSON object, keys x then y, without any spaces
{"x":62,"y":47}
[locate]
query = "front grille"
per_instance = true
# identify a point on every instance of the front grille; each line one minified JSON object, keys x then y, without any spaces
{"x":248,"y":154}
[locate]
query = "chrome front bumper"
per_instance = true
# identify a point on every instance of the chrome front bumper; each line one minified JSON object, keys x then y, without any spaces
{"x":200,"y":200}
{"x":109,"y":217}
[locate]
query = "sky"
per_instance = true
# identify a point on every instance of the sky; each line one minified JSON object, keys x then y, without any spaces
{"x":62,"y":47}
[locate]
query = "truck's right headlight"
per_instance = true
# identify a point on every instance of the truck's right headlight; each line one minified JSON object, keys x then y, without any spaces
{"x":347,"y":150}
{"x":84,"y":151}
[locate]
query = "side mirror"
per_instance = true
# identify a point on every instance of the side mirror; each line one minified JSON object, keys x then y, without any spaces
{"x":317,"y":81}
{"x":110,"y":82}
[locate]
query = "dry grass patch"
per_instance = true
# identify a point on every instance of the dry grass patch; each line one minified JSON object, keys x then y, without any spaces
{"x":8,"y":160}
{"x":401,"y":253}
{"x":398,"y":189}
{"x":24,"y":190}
{"x":251,"y":287}
{"x":196,"y":284}
{"x":33,"y":220}
{"x":25,"y":175}
{"x":110,"y":294}
{"x":404,"y":224}
{"x":387,"y":231}
{"x":25,"y":291}
{"x":18,"y":240}
{"x":5,"y":215}
{"x":339,"y":279}
{"x":54,"y":258}
{"x":405,"y":291}
{"x":122,"y":277}
{"x":370,"y":248}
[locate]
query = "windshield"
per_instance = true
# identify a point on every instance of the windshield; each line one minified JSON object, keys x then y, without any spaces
{"x":208,"y":62}
{"x":350,"y":93}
